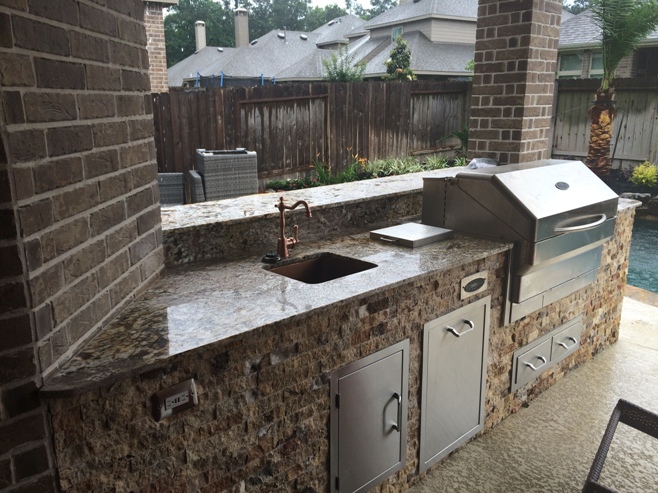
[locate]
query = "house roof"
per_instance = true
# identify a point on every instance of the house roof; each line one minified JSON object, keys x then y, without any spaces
{"x":308,"y":68}
{"x":336,"y":30}
{"x":427,"y":57}
{"x":265,"y":55}
{"x":456,"y":9}
{"x":299,"y":56}
{"x":581,"y":31}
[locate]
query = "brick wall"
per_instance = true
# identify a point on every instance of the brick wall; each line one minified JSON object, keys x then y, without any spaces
{"x":515,"y":63}
{"x":154,"y":23}
{"x":79,"y":213}
{"x":627,"y":66}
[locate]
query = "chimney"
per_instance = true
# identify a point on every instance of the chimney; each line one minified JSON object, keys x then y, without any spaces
{"x":241,"y":27}
{"x":200,"y":35}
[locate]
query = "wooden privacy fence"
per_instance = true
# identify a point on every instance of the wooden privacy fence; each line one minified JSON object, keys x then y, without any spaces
{"x":290,"y":126}
{"x":635,"y":127}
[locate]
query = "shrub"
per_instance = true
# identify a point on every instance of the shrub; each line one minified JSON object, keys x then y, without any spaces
{"x":362,"y":169}
{"x":341,"y":67}
{"x":645,"y":175}
{"x":398,"y":67}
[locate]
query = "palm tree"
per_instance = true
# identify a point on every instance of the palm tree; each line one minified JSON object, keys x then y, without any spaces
{"x":624,"y":24}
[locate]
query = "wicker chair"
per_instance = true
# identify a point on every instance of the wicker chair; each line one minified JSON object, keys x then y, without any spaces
{"x":171,"y":188}
{"x":627,"y":413}
{"x":227,"y":174}
{"x":196,"y":187}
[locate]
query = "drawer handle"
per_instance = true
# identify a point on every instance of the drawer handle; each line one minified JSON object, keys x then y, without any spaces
{"x":398,"y":397}
{"x":535,"y":368}
{"x":454,"y":332}
{"x":568,"y":339}
{"x":390,"y":240}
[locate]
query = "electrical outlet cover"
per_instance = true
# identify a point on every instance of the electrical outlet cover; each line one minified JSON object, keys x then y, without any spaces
{"x":174,"y":399}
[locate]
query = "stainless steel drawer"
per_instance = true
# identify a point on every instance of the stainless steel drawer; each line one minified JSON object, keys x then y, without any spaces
{"x":546,"y":351}
{"x":532,"y":363}
{"x":566,"y":342}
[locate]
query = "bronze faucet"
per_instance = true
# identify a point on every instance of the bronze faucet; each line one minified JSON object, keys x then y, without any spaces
{"x":284,"y":243}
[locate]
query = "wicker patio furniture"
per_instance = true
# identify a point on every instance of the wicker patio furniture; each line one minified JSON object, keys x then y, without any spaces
{"x":630,"y":414}
{"x":227,"y":174}
{"x":171,"y":188}
{"x":196,"y":187}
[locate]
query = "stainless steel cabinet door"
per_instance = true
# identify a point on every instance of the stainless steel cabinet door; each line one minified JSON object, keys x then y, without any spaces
{"x":369,"y":419}
{"x":454,"y":380}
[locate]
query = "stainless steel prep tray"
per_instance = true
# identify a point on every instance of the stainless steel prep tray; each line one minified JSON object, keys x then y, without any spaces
{"x":411,"y":235}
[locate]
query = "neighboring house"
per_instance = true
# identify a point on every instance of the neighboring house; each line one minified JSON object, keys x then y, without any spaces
{"x":580,"y":52}
{"x":278,"y":55}
{"x":439,"y":33}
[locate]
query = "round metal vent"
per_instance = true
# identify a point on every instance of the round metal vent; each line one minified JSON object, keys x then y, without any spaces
{"x":560,"y":185}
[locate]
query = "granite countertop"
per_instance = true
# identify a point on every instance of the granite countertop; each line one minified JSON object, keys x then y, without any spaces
{"x":197,"y":305}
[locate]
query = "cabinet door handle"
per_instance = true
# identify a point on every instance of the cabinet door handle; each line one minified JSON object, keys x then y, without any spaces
{"x":535,"y":368}
{"x":398,"y":398}
{"x":568,"y":339}
{"x":454,"y":331}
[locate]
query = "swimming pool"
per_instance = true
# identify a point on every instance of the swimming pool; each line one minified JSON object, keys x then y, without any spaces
{"x":643,"y":258}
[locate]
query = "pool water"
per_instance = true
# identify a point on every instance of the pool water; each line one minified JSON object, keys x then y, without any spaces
{"x":643,"y":262}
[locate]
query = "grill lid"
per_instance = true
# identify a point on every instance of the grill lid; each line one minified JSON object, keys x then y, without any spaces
{"x":530,"y":201}
{"x":546,"y":188}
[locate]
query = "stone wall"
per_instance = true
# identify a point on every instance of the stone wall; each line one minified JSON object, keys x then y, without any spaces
{"x":79,"y":213}
{"x":262,"y":423}
{"x":515,"y":63}
{"x":154,"y":23}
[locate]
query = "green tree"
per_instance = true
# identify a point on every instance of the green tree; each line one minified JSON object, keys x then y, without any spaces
{"x":576,"y":6}
{"x":377,"y":7}
{"x":340,"y":67}
{"x":267,"y":15}
{"x":179,"y":27}
{"x":398,"y":67}
{"x":624,"y":24}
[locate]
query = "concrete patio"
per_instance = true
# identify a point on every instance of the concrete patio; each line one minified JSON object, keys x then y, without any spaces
{"x":549,"y":446}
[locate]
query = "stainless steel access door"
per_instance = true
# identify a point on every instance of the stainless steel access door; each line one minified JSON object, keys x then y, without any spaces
{"x":369,"y":419}
{"x":454,"y":380}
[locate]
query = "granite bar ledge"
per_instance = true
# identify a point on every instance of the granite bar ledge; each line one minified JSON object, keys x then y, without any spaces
{"x":235,"y":228}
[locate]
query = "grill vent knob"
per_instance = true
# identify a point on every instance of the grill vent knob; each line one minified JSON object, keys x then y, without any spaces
{"x":560,"y":185}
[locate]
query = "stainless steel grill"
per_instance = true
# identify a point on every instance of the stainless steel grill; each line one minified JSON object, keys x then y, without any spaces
{"x":557,"y":213}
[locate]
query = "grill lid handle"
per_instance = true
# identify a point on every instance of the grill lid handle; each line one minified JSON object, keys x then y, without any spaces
{"x":582,"y":227}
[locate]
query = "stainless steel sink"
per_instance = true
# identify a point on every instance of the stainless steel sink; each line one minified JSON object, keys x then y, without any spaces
{"x":322,"y":268}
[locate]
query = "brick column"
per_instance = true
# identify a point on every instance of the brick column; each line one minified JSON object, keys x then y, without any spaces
{"x":155,"y":37}
{"x":80,"y":232}
{"x":515,"y":64}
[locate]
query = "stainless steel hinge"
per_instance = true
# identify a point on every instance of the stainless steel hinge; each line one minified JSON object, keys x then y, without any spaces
{"x":337,"y":401}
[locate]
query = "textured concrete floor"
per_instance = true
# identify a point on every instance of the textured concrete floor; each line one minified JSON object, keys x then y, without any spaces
{"x":549,"y":446}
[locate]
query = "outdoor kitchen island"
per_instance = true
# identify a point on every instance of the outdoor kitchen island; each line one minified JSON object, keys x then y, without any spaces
{"x":262,"y":348}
